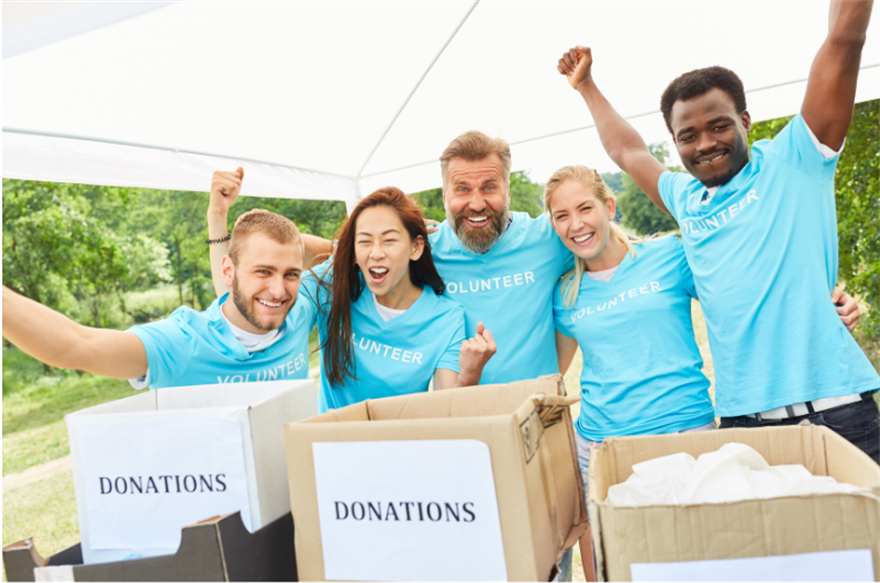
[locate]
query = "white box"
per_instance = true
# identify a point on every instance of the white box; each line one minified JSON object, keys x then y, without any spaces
{"x":147,"y":465}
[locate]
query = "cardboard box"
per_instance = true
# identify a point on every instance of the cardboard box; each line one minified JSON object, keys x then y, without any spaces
{"x":478,"y":483}
{"x":217,"y":549}
{"x":147,"y":465}
{"x":749,"y":528}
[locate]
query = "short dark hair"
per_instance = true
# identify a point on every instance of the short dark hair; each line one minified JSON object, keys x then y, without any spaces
{"x":699,"y":82}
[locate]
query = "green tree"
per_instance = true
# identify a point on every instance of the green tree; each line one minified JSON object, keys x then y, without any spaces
{"x":636,"y":209}
{"x":55,"y":247}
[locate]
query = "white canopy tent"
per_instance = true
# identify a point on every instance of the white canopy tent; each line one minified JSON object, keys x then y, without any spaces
{"x":330,"y":100}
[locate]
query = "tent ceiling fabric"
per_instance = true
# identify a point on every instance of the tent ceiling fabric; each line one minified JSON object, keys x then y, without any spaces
{"x":328,"y":100}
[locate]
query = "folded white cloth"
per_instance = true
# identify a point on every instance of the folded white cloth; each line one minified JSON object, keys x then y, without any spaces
{"x":733,"y":472}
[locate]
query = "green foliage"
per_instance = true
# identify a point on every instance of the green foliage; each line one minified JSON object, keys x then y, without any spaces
{"x":857,"y":194}
{"x":857,"y":184}
{"x":525,"y":196}
{"x":322,"y":218}
{"x":614,"y":181}
{"x":637,"y":211}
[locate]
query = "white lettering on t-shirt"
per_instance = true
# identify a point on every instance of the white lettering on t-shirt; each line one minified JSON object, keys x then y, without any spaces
{"x":492,"y":283}
{"x":720,"y":218}
{"x":281,"y":371}
{"x":648,"y":288}
{"x":386,"y":351}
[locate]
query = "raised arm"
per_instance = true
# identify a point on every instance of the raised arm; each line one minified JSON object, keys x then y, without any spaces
{"x":58,"y":341}
{"x":621,"y":141}
{"x":225,"y":188}
{"x":831,"y":88}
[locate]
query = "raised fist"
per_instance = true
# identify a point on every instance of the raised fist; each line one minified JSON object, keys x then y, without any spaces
{"x":225,"y":188}
{"x":576,"y":64}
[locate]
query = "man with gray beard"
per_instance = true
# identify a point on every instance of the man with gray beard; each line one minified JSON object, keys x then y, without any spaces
{"x":501,"y":266}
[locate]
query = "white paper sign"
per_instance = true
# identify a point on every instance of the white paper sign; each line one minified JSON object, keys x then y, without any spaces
{"x":147,"y":478}
{"x":48,"y":574}
{"x":853,"y":565}
{"x":408,"y":511}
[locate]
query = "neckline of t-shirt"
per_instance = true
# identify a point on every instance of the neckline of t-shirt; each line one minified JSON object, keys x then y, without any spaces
{"x":721,"y":191}
{"x":622,"y":267}
{"x":382,"y":322}
{"x":238,"y":333}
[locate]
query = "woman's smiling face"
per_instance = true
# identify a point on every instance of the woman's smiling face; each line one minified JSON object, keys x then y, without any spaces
{"x":580,"y":219}
{"x":383,"y":250}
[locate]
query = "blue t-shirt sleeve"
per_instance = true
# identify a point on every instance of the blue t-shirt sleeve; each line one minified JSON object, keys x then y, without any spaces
{"x":673,"y":190}
{"x":449,"y":359}
{"x":313,"y":294}
{"x":795,"y":146}
{"x":169,"y":347}
{"x":687,"y":276}
{"x":557,"y":250}
{"x":559,"y":309}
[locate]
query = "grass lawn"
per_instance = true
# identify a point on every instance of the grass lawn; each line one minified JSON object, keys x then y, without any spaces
{"x":43,"y":510}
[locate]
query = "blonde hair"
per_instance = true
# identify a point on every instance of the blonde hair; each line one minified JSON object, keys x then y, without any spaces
{"x":588,"y":178}
{"x":472,"y":146}
{"x":274,"y":226}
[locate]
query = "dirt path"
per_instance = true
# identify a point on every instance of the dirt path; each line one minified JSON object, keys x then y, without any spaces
{"x":36,"y":473}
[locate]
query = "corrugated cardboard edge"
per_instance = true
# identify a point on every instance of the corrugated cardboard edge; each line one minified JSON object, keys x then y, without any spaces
{"x":821,"y":450}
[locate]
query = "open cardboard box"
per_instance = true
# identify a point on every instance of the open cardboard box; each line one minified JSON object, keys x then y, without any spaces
{"x":749,"y":528}
{"x":472,"y":483}
{"x":216,"y":549}
{"x":147,"y":465}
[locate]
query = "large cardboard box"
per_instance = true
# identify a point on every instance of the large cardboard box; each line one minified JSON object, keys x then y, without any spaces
{"x":478,"y":483}
{"x":215,"y":549}
{"x":147,"y":465}
{"x":750,"y":528}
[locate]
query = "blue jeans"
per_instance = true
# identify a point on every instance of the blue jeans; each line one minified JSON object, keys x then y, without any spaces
{"x":858,"y":423}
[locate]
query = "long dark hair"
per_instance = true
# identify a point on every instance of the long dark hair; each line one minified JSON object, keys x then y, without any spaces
{"x":346,"y":286}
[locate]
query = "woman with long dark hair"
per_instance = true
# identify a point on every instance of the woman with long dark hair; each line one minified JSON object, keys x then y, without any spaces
{"x":384,"y":325}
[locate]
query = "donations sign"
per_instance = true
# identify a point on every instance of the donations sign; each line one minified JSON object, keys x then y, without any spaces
{"x":146,"y":478}
{"x":421,"y":510}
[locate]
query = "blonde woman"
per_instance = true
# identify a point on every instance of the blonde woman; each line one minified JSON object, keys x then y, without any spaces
{"x":628,"y":305}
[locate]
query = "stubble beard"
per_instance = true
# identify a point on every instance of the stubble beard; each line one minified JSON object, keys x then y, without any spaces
{"x":478,"y":240}
{"x":246,"y":309}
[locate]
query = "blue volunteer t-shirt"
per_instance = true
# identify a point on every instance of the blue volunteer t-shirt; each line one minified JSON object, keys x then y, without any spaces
{"x":510,"y":290}
{"x":642,"y":367}
{"x":198,"y":348}
{"x":397,"y":357}
{"x":763,"y":251}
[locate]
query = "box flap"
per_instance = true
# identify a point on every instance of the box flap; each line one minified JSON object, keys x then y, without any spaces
{"x":144,"y":401}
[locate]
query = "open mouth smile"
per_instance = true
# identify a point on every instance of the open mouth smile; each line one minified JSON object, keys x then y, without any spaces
{"x":582,"y":240}
{"x":477,"y":221}
{"x":378,"y":274}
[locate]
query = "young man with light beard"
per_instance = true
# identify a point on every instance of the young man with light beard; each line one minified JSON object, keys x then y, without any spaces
{"x":261,"y":334}
{"x":760,"y":233}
